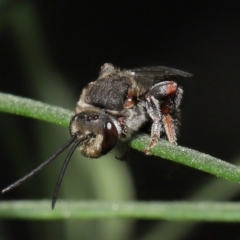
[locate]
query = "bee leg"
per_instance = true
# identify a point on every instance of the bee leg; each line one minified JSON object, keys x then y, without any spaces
{"x":153,"y":109}
{"x":170,"y":111}
{"x":124,"y":151}
{"x":162,"y":102}
{"x":168,"y":122}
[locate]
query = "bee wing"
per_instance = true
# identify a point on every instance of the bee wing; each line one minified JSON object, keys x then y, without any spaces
{"x":159,"y":72}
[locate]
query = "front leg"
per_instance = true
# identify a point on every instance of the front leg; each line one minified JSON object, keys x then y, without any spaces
{"x":162,"y":102}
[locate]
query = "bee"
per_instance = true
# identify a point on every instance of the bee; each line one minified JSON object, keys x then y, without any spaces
{"x":119,"y":104}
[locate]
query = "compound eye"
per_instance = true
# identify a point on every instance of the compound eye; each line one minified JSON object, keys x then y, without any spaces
{"x":110,"y":137}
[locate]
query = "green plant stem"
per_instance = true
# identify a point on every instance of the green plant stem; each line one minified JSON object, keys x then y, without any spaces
{"x":34,"y":109}
{"x":184,"y":211}
{"x":189,"y":157}
{"x":186,"y":156}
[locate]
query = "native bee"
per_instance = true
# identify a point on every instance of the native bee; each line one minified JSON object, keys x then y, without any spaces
{"x":117,"y":105}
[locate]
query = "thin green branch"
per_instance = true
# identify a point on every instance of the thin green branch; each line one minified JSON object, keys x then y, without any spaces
{"x":177,"y":211}
{"x":34,"y":109}
{"x":189,"y":157}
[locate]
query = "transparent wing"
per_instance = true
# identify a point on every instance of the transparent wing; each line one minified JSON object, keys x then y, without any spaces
{"x":159,"y":72}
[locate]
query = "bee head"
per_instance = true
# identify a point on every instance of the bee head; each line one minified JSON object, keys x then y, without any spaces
{"x":100,"y":127}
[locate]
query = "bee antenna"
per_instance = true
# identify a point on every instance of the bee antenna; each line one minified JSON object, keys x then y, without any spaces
{"x":41,"y":166}
{"x":64,"y":167}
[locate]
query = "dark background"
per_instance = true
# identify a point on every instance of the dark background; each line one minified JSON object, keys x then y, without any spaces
{"x":51,"y":49}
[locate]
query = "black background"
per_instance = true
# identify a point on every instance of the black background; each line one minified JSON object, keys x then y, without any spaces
{"x":70,"y":40}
